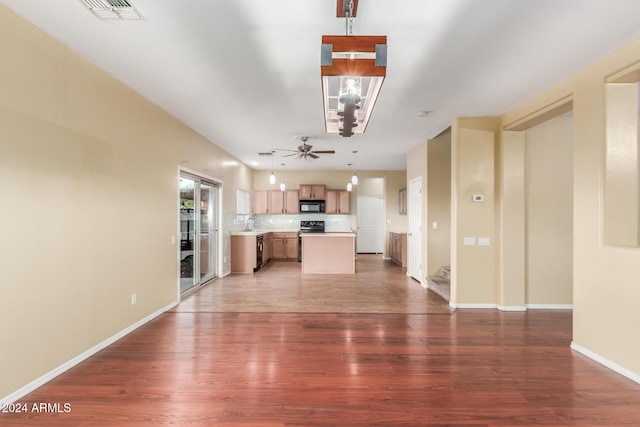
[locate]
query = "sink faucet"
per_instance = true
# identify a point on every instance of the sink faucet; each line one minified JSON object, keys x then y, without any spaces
{"x":249,"y":225}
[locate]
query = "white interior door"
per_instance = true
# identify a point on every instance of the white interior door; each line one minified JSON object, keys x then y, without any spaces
{"x":414,"y":237}
{"x":370,"y":218}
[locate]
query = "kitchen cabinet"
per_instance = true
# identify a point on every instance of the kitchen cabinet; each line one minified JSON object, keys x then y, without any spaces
{"x":337,"y":202}
{"x":260,"y":203}
{"x":268,"y":247}
{"x":312,"y":192}
{"x":285,"y":246}
{"x":284,"y":202}
{"x":243,"y":254}
{"x":402,"y":201}
{"x":275,"y":202}
{"x":244,"y":251}
{"x":398,"y":248}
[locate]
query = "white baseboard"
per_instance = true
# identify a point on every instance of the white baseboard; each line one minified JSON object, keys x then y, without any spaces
{"x":515,"y":307}
{"x":463,"y":306}
{"x":606,"y":362}
{"x":23,"y":391}
{"x":550,"y":306}
{"x":512,"y":308}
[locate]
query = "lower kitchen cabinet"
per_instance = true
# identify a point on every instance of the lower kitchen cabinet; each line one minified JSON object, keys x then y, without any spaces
{"x":398,"y":248}
{"x":268,"y":247}
{"x":243,"y":254}
{"x":285,"y":246}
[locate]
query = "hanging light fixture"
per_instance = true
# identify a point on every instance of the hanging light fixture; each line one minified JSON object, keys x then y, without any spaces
{"x":354,"y":178}
{"x":352,"y":69}
{"x":272,"y":177}
{"x":283,"y":187}
{"x":349,"y":184}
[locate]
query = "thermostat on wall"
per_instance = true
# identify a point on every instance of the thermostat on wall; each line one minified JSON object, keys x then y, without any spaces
{"x":478,"y":198}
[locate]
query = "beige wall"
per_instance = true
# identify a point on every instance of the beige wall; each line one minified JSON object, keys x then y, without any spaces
{"x":393,"y":181}
{"x":438,"y":202}
{"x":89,"y":185}
{"x":549,"y":212}
{"x":510,"y":221}
{"x":621,"y":177}
{"x":473,"y":267}
{"x":605,"y":278}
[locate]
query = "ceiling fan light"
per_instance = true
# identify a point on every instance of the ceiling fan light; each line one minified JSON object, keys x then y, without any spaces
{"x":354,"y":179}
{"x":272,"y":178}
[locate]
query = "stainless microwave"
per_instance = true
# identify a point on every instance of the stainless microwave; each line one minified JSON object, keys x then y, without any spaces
{"x":311,"y":206}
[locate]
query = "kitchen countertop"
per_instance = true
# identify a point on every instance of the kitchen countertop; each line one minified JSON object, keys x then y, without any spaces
{"x":258,"y":232}
{"x":329,"y":234}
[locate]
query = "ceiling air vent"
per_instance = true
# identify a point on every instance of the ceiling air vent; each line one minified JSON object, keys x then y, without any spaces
{"x":112,"y":9}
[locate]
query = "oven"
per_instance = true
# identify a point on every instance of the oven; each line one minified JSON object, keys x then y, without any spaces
{"x":308,"y":227}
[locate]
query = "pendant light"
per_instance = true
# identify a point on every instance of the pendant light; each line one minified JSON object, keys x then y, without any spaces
{"x":272,"y":177}
{"x":354,"y":178}
{"x":282,"y":186}
{"x":349,"y":184}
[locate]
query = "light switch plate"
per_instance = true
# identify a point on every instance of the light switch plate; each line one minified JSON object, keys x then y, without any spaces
{"x":478,"y":198}
{"x":484,"y":241}
{"x":469,"y":241}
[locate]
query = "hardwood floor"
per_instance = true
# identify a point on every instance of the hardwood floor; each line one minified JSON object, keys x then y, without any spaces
{"x":470,"y":368}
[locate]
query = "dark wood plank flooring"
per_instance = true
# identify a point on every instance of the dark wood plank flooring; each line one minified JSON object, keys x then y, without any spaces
{"x":203,"y":364}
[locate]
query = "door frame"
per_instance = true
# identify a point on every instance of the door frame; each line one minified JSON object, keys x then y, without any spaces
{"x":219,"y":238}
{"x":416,"y":241}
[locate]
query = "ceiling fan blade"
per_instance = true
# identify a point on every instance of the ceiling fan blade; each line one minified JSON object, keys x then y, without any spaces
{"x":292,"y":154}
{"x":324,"y":152}
{"x":313,"y":156}
{"x":286,"y":149}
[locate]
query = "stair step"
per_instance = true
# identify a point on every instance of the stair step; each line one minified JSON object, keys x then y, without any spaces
{"x":440,"y":285}
{"x":445,"y":271}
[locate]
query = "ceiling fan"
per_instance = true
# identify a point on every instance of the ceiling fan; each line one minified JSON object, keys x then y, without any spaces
{"x":305,"y":151}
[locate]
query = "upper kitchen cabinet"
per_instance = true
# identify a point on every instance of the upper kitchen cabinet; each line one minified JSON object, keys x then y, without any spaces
{"x":260,"y":203}
{"x":312,"y":192}
{"x":284,"y":202}
{"x":337,"y":202}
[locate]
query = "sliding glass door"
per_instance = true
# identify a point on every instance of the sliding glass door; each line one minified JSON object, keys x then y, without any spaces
{"x":198,"y":230}
{"x":208,"y":231}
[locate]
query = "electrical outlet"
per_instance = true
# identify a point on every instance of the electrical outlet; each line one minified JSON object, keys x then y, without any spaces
{"x":134,"y":299}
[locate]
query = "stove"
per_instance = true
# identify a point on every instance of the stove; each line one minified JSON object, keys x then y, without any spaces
{"x":312,"y":226}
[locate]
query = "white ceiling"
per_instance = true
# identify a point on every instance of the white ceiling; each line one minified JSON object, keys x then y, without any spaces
{"x":246,"y":73}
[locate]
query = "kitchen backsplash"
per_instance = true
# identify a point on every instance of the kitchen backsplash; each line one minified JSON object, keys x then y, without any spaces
{"x":292,"y":222}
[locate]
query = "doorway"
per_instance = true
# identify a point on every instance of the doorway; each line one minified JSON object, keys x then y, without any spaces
{"x":199,"y":226}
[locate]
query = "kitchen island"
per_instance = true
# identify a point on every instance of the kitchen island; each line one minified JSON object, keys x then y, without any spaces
{"x":328,"y":253}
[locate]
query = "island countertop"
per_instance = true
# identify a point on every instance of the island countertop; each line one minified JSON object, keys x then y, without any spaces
{"x":329,"y":234}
